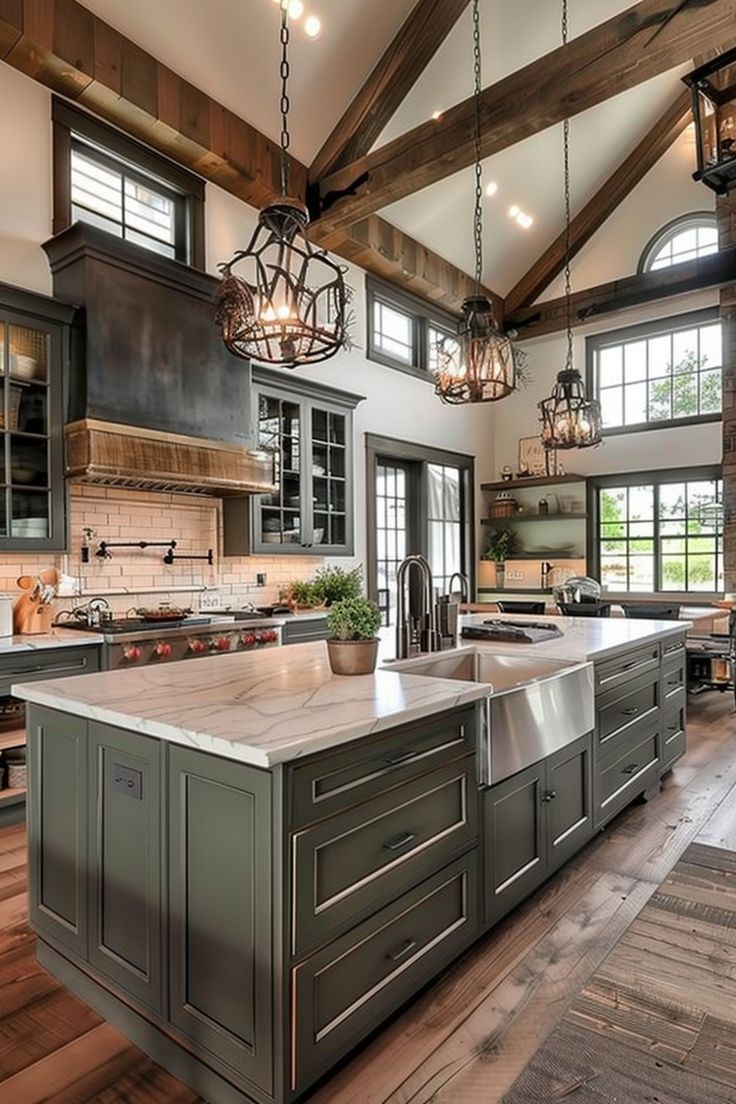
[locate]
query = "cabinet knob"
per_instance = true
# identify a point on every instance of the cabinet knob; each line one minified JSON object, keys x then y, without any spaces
{"x":549,"y":795}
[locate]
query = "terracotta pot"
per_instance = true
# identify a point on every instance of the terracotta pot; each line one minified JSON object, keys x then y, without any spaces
{"x":352,"y":657}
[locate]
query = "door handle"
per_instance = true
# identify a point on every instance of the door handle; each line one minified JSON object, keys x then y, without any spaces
{"x":630,"y":712}
{"x":400,"y":841}
{"x":631,"y":769}
{"x":402,"y":952}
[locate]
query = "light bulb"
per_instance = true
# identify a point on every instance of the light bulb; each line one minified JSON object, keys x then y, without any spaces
{"x":268,"y":315}
{"x":312,"y":26}
{"x":514,"y":210}
{"x":295,"y":9}
{"x":283,"y":311}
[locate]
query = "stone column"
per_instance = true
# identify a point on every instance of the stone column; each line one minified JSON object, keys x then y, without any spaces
{"x":726,"y":216}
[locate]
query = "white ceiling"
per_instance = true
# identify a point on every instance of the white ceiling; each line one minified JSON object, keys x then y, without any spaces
{"x":230,"y":49}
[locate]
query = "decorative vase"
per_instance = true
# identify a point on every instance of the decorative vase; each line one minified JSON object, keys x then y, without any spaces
{"x":500,"y":575}
{"x":353,"y":657}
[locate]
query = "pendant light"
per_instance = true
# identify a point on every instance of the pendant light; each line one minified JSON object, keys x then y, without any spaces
{"x":480,"y":364}
{"x":569,"y":418}
{"x":283,"y":300}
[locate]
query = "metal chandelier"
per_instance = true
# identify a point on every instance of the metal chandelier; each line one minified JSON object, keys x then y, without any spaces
{"x":282,"y":300}
{"x":481,"y":363}
{"x":570,"y":419}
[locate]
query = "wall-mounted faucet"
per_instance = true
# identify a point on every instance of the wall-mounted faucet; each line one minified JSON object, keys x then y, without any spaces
{"x":416,"y":631}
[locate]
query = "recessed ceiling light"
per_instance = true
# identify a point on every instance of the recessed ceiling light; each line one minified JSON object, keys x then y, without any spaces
{"x":436,"y":115}
{"x":524,"y":220}
{"x":312,"y":26}
{"x":491,"y":188}
{"x":295,"y":9}
{"x":514,"y":211}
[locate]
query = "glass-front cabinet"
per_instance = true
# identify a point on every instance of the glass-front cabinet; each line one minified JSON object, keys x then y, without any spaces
{"x":309,"y":428}
{"x":33,"y":338}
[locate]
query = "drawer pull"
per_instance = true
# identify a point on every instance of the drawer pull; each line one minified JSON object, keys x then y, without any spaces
{"x":631,"y":769}
{"x":401,"y":757}
{"x":673,"y":682}
{"x":396,"y":956}
{"x":50,"y":671}
{"x":400,"y":841}
{"x":628,"y":666}
{"x":549,"y":795}
{"x":630,"y":712}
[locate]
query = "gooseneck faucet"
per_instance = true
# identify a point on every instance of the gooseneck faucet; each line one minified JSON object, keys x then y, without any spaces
{"x":415,"y":631}
{"x":464,"y":586}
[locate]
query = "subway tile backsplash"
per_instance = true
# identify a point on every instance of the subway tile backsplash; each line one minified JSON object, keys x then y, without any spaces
{"x":134,"y":576}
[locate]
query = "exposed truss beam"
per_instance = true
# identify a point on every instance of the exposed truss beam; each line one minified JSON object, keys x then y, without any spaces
{"x":416,"y":43}
{"x":649,"y":38}
{"x":605,"y":201}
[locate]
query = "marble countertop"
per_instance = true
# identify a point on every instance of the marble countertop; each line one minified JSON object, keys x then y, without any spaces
{"x":57,"y":638}
{"x":261,"y":708}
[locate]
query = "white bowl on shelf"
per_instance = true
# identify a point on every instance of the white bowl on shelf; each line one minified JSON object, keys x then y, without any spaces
{"x":24,"y":367}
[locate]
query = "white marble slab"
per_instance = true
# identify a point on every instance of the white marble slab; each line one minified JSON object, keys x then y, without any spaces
{"x":57,"y":638}
{"x":261,"y":708}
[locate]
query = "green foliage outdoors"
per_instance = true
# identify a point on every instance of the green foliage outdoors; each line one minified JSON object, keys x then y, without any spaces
{"x":354,"y":619}
{"x":677,"y":396}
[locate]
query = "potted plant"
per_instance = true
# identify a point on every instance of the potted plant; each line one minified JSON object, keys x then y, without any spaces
{"x":352,"y":644}
{"x":502,"y":543}
{"x":301,"y":594}
{"x":335,"y":583}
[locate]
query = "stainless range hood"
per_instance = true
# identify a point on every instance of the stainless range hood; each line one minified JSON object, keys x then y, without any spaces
{"x":113,"y":455}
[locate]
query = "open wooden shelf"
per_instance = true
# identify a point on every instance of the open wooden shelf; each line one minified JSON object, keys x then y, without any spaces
{"x":551,"y":555}
{"x":12,"y":796}
{"x":15,"y":738}
{"x":532,"y":481}
{"x":516,"y":518}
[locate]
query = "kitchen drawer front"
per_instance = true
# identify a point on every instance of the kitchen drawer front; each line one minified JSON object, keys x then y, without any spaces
{"x":351,"y":864}
{"x":622,"y":779}
{"x":302,"y":631}
{"x":674,"y":674}
{"x":338,"y":780}
{"x":345,"y":990}
{"x":50,"y":664}
{"x":674,"y":740}
{"x":613,"y":672}
{"x":673,"y":649}
{"x":622,"y":708}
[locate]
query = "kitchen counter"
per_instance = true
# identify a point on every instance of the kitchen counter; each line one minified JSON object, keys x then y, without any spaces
{"x":57,"y":638}
{"x":263,"y":708}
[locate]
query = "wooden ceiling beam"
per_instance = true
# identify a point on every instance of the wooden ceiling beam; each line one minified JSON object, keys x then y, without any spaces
{"x":647,"y":39}
{"x":420,"y":36}
{"x":713,"y":271}
{"x":605,"y":201}
{"x":64,"y":46}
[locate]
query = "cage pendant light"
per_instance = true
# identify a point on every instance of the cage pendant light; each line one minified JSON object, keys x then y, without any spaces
{"x":281,"y":299}
{"x":480,"y":364}
{"x":570,"y":419}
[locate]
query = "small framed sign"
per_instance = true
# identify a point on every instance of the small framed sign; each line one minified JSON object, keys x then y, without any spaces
{"x":535,"y":459}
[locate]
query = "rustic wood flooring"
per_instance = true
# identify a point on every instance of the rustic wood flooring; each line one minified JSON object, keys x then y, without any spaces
{"x":468,"y":1038}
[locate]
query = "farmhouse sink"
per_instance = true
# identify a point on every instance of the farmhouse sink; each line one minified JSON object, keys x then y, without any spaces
{"x":535,"y":706}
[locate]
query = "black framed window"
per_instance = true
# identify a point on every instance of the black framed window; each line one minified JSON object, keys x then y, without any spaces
{"x":658,"y":532}
{"x":662,"y":373}
{"x":119,"y":185}
{"x":684,"y":239}
{"x":404,"y":331}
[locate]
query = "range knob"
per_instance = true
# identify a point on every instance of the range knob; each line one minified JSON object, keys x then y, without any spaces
{"x":197,"y":646}
{"x":248,"y":639}
{"x":262,"y":638}
{"x":131,"y":653}
{"x":221,"y":643}
{"x":162,"y":649}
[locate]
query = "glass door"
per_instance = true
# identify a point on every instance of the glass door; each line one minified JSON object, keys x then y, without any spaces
{"x":331,"y":497}
{"x":395,"y":534}
{"x":278,"y":516}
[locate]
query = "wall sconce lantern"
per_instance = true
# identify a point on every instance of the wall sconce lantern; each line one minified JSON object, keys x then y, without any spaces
{"x":714,"y":112}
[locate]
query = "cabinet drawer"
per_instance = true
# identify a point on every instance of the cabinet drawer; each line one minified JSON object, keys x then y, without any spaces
{"x":674,"y":675}
{"x":673,"y":648}
{"x":344,"y":991}
{"x":674,"y":740}
{"x":336,"y":781}
{"x":347,"y":866}
{"x":51,"y":664}
{"x":301,"y":632}
{"x":613,"y":672}
{"x":626,"y":706}
{"x":629,"y":775}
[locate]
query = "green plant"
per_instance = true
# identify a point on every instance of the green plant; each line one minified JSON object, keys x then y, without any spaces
{"x":305,"y":593}
{"x":353,"y":619}
{"x":335,"y":584}
{"x":502,"y":543}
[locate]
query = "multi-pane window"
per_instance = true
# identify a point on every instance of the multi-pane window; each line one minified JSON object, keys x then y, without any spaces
{"x":405,"y":332}
{"x":391,"y":532}
{"x":121,"y":201}
{"x":445,"y":523}
{"x":684,"y":240}
{"x":658,"y":373}
{"x":663,"y":534}
{"x":439,"y":343}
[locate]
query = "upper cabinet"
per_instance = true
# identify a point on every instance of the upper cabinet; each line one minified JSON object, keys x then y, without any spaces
{"x":34,"y":341}
{"x":309,"y":429}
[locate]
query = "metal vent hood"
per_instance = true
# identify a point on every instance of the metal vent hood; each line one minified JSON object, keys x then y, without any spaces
{"x":156,"y":402}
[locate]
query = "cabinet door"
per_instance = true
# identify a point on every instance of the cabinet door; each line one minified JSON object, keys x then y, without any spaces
{"x":57,"y":827}
{"x":515,"y":851}
{"x":220,"y":910}
{"x":569,"y":800}
{"x":279,"y":518}
{"x":125,"y":861}
{"x":32,"y":500}
{"x":330,"y":504}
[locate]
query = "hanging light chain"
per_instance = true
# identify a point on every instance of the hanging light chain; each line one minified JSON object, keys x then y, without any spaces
{"x":568,"y":244}
{"x":478,"y":210}
{"x":285,"y":103}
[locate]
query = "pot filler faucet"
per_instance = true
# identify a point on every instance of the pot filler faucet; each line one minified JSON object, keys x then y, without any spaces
{"x":416,"y":630}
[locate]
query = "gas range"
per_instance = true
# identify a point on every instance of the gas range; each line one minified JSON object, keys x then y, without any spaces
{"x":133,"y":642}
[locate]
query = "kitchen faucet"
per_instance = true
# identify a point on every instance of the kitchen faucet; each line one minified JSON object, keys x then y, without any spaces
{"x":464,"y":586}
{"x":415,"y":632}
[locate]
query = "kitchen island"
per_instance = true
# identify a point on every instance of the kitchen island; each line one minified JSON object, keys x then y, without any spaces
{"x":247,"y":864}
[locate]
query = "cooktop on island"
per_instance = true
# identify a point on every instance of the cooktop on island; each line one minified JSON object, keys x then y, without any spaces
{"x":513,"y":632}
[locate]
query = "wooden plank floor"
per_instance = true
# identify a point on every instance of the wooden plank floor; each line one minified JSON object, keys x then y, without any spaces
{"x":468,"y":1037}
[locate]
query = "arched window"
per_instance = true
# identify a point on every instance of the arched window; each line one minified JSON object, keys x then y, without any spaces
{"x":683,"y":239}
